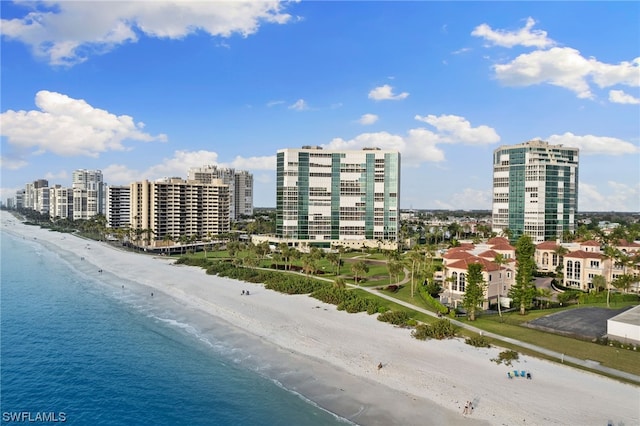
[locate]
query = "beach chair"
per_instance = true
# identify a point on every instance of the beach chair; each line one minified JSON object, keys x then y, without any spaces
{"x":528,"y":375}
{"x":523,"y":373}
{"x":515,"y":373}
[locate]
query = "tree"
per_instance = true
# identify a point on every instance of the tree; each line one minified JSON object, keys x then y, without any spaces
{"x":474,"y":290}
{"x":414,"y":257}
{"x":500,"y":260}
{"x":334,"y":260}
{"x":545,"y":294}
{"x":359,"y":268}
{"x":394,"y":267}
{"x":524,"y":289}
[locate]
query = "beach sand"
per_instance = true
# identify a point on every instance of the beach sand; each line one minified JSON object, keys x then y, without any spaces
{"x":331,"y":357}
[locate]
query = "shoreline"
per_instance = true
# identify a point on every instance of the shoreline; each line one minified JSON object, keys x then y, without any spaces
{"x":330,"y":357}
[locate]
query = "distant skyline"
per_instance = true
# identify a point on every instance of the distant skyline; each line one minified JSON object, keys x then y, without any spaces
{"x":145,"y":90}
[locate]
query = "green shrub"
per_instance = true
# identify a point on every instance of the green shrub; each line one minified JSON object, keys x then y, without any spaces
{"x":506,"y":357}
{"x":395,"y":317}
{"x":478,"y":341}
{"x":441,"y":329}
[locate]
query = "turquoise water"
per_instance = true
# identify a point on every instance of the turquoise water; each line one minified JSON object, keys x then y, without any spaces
{"x":75,"y":350}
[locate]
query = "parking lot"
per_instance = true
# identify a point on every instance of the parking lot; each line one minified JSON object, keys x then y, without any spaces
{"x":583,"y":323}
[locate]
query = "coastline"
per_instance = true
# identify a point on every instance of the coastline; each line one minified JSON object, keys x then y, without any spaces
{"x":330,"y":357}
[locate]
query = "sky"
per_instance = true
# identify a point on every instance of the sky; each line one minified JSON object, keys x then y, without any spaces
{"x":146,"y":90}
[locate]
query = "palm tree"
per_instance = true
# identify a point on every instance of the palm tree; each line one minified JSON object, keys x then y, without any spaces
{"x":359,"y":268}
{"x":394,"y":267}
{"x":500,"y":260}
{"x":414,"y":257}
{"x":333,"y":260}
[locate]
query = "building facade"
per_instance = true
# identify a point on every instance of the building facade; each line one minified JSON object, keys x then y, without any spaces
{"x":535,"y":190}
{"x":118,"y":206}
{"x":327,"y":197}
{"x":240,"y":187}
{"x":173,"y":210}
{"x":89,"y":194}
{"x":61,"y":202}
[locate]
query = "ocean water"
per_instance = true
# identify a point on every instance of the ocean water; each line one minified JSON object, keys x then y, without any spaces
{"x":78,"y":351}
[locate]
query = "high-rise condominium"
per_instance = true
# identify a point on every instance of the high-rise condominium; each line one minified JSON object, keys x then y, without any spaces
{"x":89,"y":194}
{"x":240,"y":187}
{"x":173,"y":209}
{"x":535,"y":190}
{"x":329,"y":197}
{"x":118,"y":206}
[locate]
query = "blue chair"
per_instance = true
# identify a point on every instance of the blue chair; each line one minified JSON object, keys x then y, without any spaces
{"x":523,"y":373}
{"x":515,"y":373}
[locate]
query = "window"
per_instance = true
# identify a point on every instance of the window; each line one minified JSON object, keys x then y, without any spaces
{"x":462,"y":284}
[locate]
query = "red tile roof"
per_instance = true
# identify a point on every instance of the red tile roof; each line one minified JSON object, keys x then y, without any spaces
{"x":547,"y":245}
{"x":581,"y":254}
{"x":464,"y":264}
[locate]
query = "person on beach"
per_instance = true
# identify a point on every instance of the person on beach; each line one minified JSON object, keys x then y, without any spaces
{"x":242,"y":292}
{"x":466,"y":408}
{"x":379,"y":366}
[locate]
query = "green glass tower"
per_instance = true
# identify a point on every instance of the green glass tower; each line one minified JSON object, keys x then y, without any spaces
{"x":535,"y":190}
{"x":328,"y":196}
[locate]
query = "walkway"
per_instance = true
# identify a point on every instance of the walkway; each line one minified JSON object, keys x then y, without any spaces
{"x":591,"y":365}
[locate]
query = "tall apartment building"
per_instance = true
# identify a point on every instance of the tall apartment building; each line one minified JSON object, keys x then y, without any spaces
{"x":240,"y":187}
{"x":535,"y":190}
{"x":34,"y":196}
{"x":329,"y":197}
{"x":118,"y":206}
{"x":172,"y":208}
{"x":61,"y":202}
{"x":89,"y":194}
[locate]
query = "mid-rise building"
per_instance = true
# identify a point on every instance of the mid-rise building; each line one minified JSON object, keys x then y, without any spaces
{"x":240,"y":187}
{"x":173,"y":210}
{"x":326,"y":198}
{"x":89,"y":194}
{"x":535,"y":190}
{"x":118,"y":206}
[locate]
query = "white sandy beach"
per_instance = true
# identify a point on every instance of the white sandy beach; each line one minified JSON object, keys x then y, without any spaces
{"x":421,"y":382}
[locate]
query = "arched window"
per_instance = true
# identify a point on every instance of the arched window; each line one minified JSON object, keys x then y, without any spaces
{"x":462,"y":282}
{"x":545,"y":259}
{"x":555,"y":260}
{"x":569,"y":269}
{"x":454,"y":282}
{"x":576,"y":270}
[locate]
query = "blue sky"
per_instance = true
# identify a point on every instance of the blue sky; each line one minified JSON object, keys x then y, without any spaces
{"x":144,"y":90}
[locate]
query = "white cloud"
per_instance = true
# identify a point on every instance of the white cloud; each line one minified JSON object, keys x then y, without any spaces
{"x":70,"y":127}
{"x":420,"y":145}
{"x":620,"y":197}
{"x":66,"y":32}
{"x":455,"y":129}
{"x":522,"y":37}
{"x":559,"y":66}
{"x":385,"y":92}
{"x":595,"y":145}
{"x":467,"y":199}
{"x":253,"y":163}
{"x":607,"y":75}
{"x":7,"y":163}
{"x":299,"y":105}
{"x":367,"y":119}
{"x":274,"y":103}
{"x":180,"y":163}
{"x":620,"y":97}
